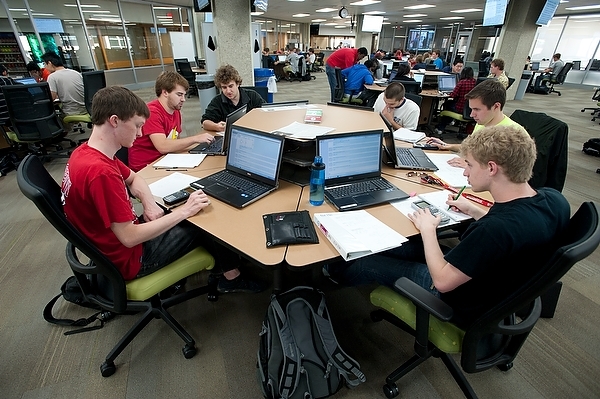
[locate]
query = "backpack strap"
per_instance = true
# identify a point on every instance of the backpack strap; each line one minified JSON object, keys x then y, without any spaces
{"x":102,"y":316}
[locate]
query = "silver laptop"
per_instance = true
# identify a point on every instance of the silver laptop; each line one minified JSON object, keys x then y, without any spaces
{"x":446,"y":83}
{"x":353,"y":170}
{"x":251,"y":170}
{"x":219,"y":146}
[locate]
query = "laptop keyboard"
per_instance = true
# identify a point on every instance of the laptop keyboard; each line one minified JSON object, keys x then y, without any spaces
{"x":239,"y":183}
{"x":361,"y":187}
{"x":216,"y":145}
{"x":406,"y":157}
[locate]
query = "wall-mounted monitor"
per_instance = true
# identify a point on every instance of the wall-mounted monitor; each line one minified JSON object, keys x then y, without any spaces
{"x":547,"y":12}
{"x":420,"y":39}
{"x":494,"y":12}
{"x":372,"y":23}
{"x":48,"y":25}
{"x":202,"y":6}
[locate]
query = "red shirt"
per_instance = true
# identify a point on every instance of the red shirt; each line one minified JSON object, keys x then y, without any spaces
{"x":143,"y":152}
{"x":460,"y":91}
{"x":343,"y":58}
{"x":94,"y":195}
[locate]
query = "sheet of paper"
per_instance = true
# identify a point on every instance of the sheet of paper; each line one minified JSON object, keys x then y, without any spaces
{"x":408,"y":135}
{"x":452,"y":175}
{"x":303,"y":130}
{"x":168,"y":185}
{"x":180,"y":161}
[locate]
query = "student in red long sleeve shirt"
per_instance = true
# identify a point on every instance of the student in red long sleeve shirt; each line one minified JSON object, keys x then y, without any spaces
{"x":342,"y":58}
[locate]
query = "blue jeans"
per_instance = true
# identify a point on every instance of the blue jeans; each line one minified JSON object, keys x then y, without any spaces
{"x":385,"y":268}
{"x":330,"y":71}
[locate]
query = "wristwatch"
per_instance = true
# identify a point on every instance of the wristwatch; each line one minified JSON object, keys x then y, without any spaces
{"x":343,"y":12}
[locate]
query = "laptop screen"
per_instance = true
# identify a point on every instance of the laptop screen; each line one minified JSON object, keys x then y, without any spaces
{"x":254,"y":152}
{"x":446,"y":82}
{"x":535,"y":65}
{"x":350,"y":154}
{"x":282,"y":58}
{"x":393,"y":75}
{"x":419,"y":78}
{"x":26,"y":81}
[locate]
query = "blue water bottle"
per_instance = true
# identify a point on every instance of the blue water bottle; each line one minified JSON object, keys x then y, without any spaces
{"x":317,"y":181}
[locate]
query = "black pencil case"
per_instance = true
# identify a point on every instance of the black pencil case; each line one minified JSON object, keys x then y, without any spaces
{"x":289,"y":228}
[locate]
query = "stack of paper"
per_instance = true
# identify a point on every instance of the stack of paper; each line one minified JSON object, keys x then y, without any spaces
{"x":299,"y":130}
{"x":170,"y":184}
{"x":179,"y":161}
{"x":451,"y":175}
{"x":357,"y":233}
{"x":408,"y":135}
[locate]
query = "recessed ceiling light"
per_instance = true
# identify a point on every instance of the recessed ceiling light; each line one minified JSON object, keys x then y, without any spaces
{"x":373,"y":12}
{"x":330,"y":24}
{"x":467,"y":10}
{"x":419,"y":7}
{"x":415,"y":15}
{"x":298,"y":1}
{"x":451,"y":18}
{"x":592,"y":7}
{"x":386,"y":23}
{"x":584,"y":16}
{"x":365,"y":2}
{"x":318,"y":20}
{"x":300,"y":15}
{"x":412,"y":20}
{"x":326,"y":10}
{"x":90,"y":6}
{"x":340,"y":27}
{"x":255,"y":13}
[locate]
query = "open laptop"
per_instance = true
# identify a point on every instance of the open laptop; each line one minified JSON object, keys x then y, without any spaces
{"x":404,"y":157}
{"x":353,"y":170}
{"x":282,"y":58}
{"x":251,"y":170}
{"x":446,"y":83}
{"x":392,"y":76}
{"x":419,"y":77}
{"x":219,"y":146}
{"x":26,"y":81}
{"x":535,"y":65}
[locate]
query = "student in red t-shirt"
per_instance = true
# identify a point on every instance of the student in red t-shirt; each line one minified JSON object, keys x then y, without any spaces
{"x":342,"y":58}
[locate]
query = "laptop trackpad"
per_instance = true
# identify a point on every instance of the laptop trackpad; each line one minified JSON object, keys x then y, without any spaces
{"x":361,"y":199}
{"x":218,"y":188}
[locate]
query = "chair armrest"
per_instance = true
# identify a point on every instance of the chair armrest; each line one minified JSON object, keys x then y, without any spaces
{"x":424,"y":299}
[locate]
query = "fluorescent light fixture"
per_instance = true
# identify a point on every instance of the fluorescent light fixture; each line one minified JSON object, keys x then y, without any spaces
{"x":584,"y":16}
{"x":592,"y":7}
{"x":365,"y":2}
{"x":300,"y":15}
{"x":564,"y":1}
{"x":451,"y":18}
{"x":326,"y":10}
{"x":330,"y":24}
{"x":373,"y":12}
{"x":419,"y":7}
{"x":318,"y":20}
{"x":414,"y":15}
{"x":41,"y":14}
{"x":466,"y":10}
{"x":97,"y":11}
{"x":256,"y":13}
{"x":83,"y":5}
{"x":297,"y":1}
{"x":386,"y":23}
{"x":412,"y":20}
{"x":340,"y":27}
{"x":164,"y":8}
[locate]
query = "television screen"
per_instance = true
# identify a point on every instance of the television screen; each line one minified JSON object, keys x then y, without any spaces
{"x":494,"y":12}
{"x":202,"y":6}
{"x":419,"y":39}
{"x":48,"y":25}
{"x":547,"y":12}
{"x":372,"y":23}
{"x":261,"y":4}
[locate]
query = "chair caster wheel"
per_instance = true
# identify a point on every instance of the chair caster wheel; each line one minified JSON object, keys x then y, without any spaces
{"x":189,"y":351}
{"x":505,"y":367}
{"x":559,"y":94}
{"x":390,"y":390}
{"x":108,"y":369}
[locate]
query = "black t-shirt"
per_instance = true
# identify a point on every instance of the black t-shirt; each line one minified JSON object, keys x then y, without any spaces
{"x":504,"y":249}
{"x":220,"y":106}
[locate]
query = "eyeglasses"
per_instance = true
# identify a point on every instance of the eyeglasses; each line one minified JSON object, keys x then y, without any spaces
{"x":413,"y":173}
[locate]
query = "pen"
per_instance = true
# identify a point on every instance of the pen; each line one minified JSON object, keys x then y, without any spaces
{"x":458,"y":195}
{"x":176,"y":170}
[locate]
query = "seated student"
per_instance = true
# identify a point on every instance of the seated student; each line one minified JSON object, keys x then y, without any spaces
{"x":404,"y":74}
{"x":456,"y":67}
{"x":311,"y":57}
{"x":466,"y":83}
{"x":291,"y":67}
{"x":96,"y":202}
{"x":160,"y":133}
{"x":498,"y":252}
{"x":398,"y":110}
{"x":497,"y":71}
{"x":65,"y":84}
{"x":419,"y":63}
{"x":436,"y":60}
{"x":356,"y":77}
{"x":40,"y":74}
{"x":231,"y":98}
{"x":553,"y":69}
{"x":378,"y":64}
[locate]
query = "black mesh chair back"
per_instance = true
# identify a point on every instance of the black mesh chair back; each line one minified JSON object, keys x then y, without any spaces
{"x":411,"y":87}
{"x":338,"y":92}
{"x":263,"y":91}
{"x":417,"y":99}
{"x":92,"y":82}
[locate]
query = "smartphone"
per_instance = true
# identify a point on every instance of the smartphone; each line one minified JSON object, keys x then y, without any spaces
{"x":425,"y":146}
{"x":422,"y":204}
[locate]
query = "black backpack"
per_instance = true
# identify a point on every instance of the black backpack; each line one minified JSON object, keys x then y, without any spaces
{"x":592,"y":147}
{"x":71,"y":292}
{"x":299,"y":356}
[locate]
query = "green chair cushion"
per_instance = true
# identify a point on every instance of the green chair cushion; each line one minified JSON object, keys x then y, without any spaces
{"x":86,"y":118}
{"x":145,"y":287}
{"x":445,"y":336}
{"x":453,"y":115}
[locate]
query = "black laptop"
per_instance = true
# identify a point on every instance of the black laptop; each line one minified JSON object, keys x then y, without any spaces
{"x":251,"y":170}
{"x":403,"y":157}
{"x":219,"y":146}
{"x":446,"y":83}
{"x":353,"y":170}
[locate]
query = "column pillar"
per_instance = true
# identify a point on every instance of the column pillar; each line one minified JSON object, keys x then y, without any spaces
{"x":361,"y":39}
{"x":231,"y":20}
{"x":516,"y":37}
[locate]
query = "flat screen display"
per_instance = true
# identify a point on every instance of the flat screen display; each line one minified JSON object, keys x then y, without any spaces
{"x":419,"y":39}
{"x":494,"y":12}
{"x":202,"y":6}
{"x":372,"y":23}
{"x":547,"y":12}
{"x":48,"y":25}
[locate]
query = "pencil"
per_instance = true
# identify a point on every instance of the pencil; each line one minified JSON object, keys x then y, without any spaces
{"x":458,"y":195}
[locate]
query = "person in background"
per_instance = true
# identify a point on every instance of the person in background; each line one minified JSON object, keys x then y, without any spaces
{"x":426,"y":58}
{"x":379,"y":64}
{"x":419,"y":63}
{"x":497,"y":71}
{"x":232,"y":97}
{"x":553,"y":69}
{"x":466,"y":83}
{"x":291,"y":67}
{"x":356,"y":77}
{"x":160,"y":133}
{"x":39,"y":74}
{"x":65,"y":84}
{"x":342,"y":58}
{"x":310,"y":59}
{"x":411,"y":60}
{"x":436,"y":60}
{"x":456,"y":67}
{"x":398,"y":54}
{"x":398,"y":110}
{"x":527,"y":66}
{"x":404,"y":74}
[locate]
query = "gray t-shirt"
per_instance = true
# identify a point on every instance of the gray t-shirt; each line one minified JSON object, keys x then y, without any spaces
{"x":557,"y":66}
{"x":68,"y":85}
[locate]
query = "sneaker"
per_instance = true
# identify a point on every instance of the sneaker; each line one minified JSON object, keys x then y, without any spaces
{"x":240,"y":284}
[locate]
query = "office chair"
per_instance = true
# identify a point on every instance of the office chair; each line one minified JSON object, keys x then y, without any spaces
{"x":183,"y":67}
{"x":263,"y":91}
{"x":34,"y":121}
{"x":101,"y":282}
{"x":92,"y":82}
{"x":495,"y":338}
{"x":410,"y":87}
{"x":351,"y":106}
{"x":559,"y":78}
{"x":340,"y":83}
{"x":595,"y":111}
{"x":466,"y":123}
{"x":417,"y":99}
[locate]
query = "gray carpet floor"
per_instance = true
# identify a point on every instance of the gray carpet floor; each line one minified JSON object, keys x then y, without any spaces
{"x":561,"y":358}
